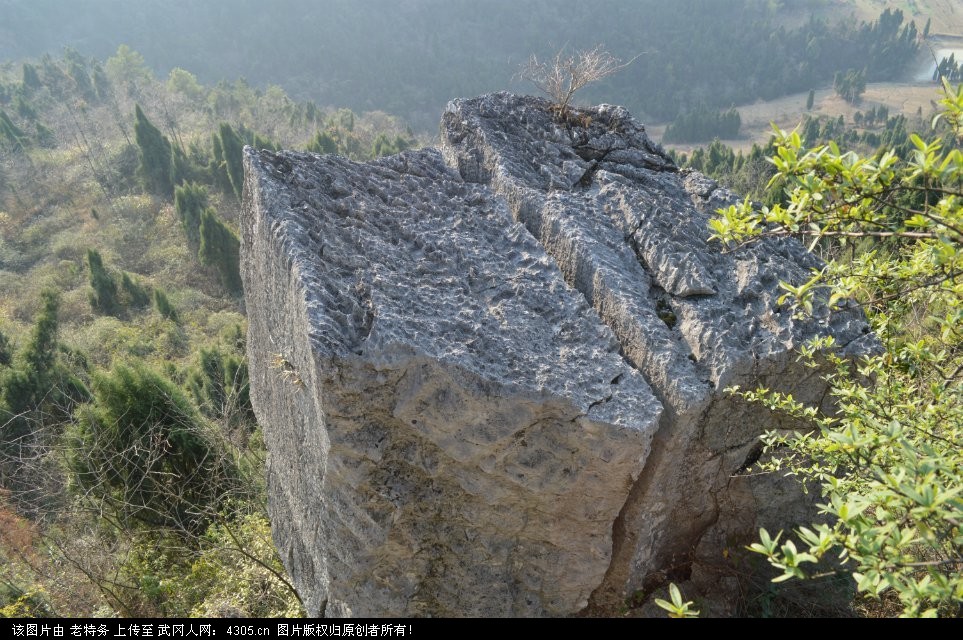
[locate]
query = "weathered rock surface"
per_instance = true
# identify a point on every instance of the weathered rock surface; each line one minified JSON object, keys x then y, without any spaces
{"x":491,"y":378}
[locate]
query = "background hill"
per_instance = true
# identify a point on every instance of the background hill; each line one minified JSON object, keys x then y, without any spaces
{"x":409,"y":58}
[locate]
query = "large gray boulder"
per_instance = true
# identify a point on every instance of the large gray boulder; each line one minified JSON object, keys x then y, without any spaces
{"x":491,"y":377}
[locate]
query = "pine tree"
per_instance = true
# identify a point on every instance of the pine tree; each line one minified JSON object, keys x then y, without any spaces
{"x":220,"y":248}
{"x":155,"y":156}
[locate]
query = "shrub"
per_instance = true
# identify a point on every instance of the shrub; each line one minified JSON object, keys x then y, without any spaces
{"x":141,"y":449}
{"x":890,"y":458}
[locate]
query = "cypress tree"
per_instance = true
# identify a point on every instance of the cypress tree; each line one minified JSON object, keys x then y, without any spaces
{"x":220,"y":386}
{"x":24,"y":110}
{"x":322,"y":143}
{"x":41,"y":349}
{"x":31,"y":79}
{"x":11,"y":135}
{"x":141,"y":449}
{"x":233,"y":147}
{"x":220,"y":248}
{"x":164,"y":306}
{"x":155,"y":156}
{"x":101,"y":83}
{"x":811,"y":100}
{"x":103,"y":296}
{"x":45,"y":137}
{"x":78,"y":74}
{"x":137,"y":294}
{"x":219,"y":167}
{"x":190,"y":200}
{"x":37,"y":387}
{"x":5,"y":355}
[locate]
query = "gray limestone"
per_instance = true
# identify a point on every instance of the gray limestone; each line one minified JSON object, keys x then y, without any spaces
{"x":491,"y":377}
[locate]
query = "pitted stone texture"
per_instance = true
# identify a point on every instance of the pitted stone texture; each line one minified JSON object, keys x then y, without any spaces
{"x":492,"y":378}
{"x":631,"y":233}
{"x":451,"y":429}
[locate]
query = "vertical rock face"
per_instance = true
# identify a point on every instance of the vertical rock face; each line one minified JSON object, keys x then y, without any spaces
{"x":491,"y":377}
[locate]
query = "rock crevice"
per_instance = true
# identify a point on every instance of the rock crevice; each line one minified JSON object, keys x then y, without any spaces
{"x":509,"y":356}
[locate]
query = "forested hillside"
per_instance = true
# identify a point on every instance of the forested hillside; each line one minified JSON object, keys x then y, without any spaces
{"x":410,"y":58}
{"x":121,"y":303}
{"x":131,"y":466}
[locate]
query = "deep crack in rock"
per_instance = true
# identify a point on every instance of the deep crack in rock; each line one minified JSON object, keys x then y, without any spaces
{"x":497,"y":414}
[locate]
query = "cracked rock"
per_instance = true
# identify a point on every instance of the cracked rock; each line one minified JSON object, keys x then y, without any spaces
{"x":504,"y":367}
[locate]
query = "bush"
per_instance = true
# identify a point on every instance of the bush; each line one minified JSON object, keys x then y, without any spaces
{"x":141,"y":449}
{"x":890,"y":458}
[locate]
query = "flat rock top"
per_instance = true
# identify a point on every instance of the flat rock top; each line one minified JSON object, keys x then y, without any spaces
{"x":604,"y":199}
{"x":400,"y":257}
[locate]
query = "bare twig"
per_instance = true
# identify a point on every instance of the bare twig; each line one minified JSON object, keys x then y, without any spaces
{"x":560,"y":77}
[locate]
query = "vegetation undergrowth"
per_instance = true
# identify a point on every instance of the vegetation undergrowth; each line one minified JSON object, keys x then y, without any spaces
{"x":131,"y":464}
{"x":888,"y":458}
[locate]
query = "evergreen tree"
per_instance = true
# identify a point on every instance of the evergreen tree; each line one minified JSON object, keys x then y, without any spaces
{"x":31,"y":79}
{"x":137,"y":295}
{"x":45,"y":137}
{"x":103,"y":296}
{"x":78,"y":74}
{"x":6,"y":355}
{"x":322,"y":143}
{"x":232,"y":147}
{"x":219,"y":166}
{"x":24,"y":109}
{"x":220,"y":387}
{"x":221,"y":249}
{"x":37,"y":388}
{"x":101,"y":83}
{"x":164,"y":306}
{"x":12,"y":137}
{"x":41,"y":349}
{"x":850,"y":85}
{"x":190,"y":201}
{"x":155,"y":156}
{"x":141,"y":449}
{"x":810,"y":100}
